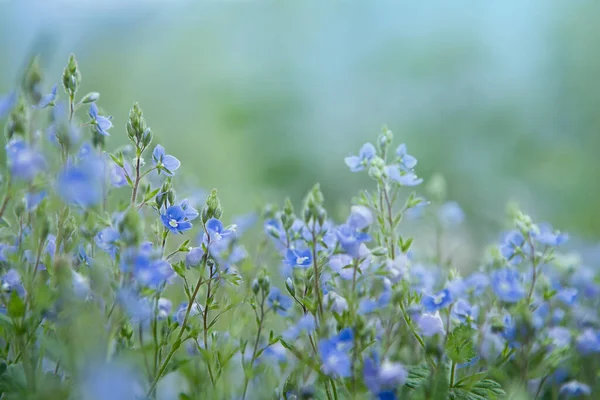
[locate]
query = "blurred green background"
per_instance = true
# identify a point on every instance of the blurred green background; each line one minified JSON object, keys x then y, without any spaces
{"x":261,"y":100}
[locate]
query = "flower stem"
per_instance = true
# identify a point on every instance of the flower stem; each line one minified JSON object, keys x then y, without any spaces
{"x":316,"y":269}
{"x":177,"y":342}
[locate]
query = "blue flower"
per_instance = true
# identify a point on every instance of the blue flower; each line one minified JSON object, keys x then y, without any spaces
{"x":194,"y":311}
{"x":360,"y":217}
{"x":450,"y":214}
{"x":101,"y":123}
{"x":12,"y":281}
{"x":117,"y":175}
{"x":407,"y":162}
{"x":465,"y":312}
{"x":513,"y":246}
{"x":174,"y":220}
{"x":477,"y":283}
{"x":507,"y":285}
{"x":404,"y":178}
{"x":279,"y":302}
{"x":575,"y":389}
{"x":216,"y":231}
{"x":437,"y":301}
{"x":350,"y":239}
{"x":32,"y":200}
{"x":588,"y":341}
{"x":81,"y":285}
{"x":383,"y":377}
{"x":194,"y":257}
{"x":7,"y":102}
{"x":152,"y":273}
{"x":107,"y":239}
{"x":82,"y":184}
{"x":550,"y":237}
{"x":367,"y":306}
{"x":335,"y":355}
{"x":190,"y":212}
{"x":567,"y":295}
{"x":164,"y":308}
{"x":138,"y":309}
{"x":24,"y":162}
{"x":164,"y":162}
{"x":559,"y":336}
{"x":298,"y":258}
{"x":365,"y":155}
{"x":306,"y":323}
{"x":431,"y":324}
{"x":47,"y":99}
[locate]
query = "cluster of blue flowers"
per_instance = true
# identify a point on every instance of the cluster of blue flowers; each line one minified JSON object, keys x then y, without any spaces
{"x":97,"y":246}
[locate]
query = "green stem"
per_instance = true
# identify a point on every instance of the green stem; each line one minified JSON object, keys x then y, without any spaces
{"x":452,"y":373}
{"x":177,"y":342}
{"x":316,"y":270}
{"x":416,"y":335}
{"x":256,"y":341}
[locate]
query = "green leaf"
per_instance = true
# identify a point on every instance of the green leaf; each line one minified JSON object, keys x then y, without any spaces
{"x":468,"y":381}
{"x":459,"y":346}
{"x":16,"y":307}
{"x":417,"y":375}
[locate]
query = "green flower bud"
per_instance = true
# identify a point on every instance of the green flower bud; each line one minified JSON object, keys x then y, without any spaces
{"x":90,"y":98}
{"x":289,"y":285}
{"x":212,"y":208}
{"x":18,"y":120}
{"x":255,"y":286}
{"x":32,"y":81}
{"x":265,"y":285}
{"x":71,"y":76}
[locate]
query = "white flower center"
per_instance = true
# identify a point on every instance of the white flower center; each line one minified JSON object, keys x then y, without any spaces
{"x":504,"y":286}
{"x":300,"y":260}
{"x":438,"y":299}
{"x":173,"y":223}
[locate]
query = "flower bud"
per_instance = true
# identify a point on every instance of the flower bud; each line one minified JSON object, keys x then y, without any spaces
{"x":90,"y":98}
{"x":255,"y":286}
{"x":289,"y":285}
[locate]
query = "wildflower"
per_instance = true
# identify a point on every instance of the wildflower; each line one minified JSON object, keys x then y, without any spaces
{"x":175,"y":221}
{"x":335,"y":355}
{"x":550,"y":237}
{"x":513,"y":247}
{"x":567,"y":295}
{"x":507,"y":285}
{"x":194,"y":257}
{"x":464,"y":311}
{"x":190,"y":212}
{"x":335,"y":302}
{"x":383,"y":377}
{"x":164,"y":308}
{"x":431,"y":324}
{"x":588,"y":341}
{"x":404,"y":178}
{"x":358,"y":163}
{"x":118,"y":175}
{"x":47,"y":99}
{"x":298,"y":258}
{"x":194,"y":311}
{"x":477,"y":283}
{"x":7,"y":102}
{"x":360,"y":217}
{"x":406,"y":161}
{"x":350,"y":239}
{"x":82,"y":184}
{"x":216,"y":231}
{"x":12,"y":281}
{"x":81,"y":285}
{"x":278,"y":302}
{"x":559,"y":336}
{"x":306,"y":323}
{"x":25,"y":162}
{"x":101,"y":123}
{"x":149,"y":272}
{"x":575,"y":389}
{"x":164,"y":162}
{"x":107,"y":240}
{"x":437,"y":301}
{"x":450,"y":214}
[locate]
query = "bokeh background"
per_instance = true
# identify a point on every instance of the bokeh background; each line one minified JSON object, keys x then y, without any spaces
{"x":261,"y":100}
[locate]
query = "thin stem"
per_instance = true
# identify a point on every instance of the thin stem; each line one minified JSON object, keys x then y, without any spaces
{"x":452,"y":373}
{"x":5,"y":200}
{"x":316,"y":270}
{"x":136,"y":183}
{"x":177,"y":342}
{"x":205,"y":322}
{"x":256,"y":341}
{"x":415,"y":334}
{"x":390,"y":218}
